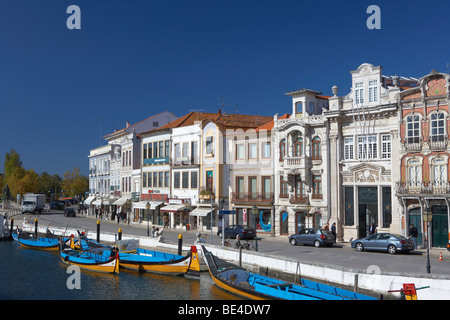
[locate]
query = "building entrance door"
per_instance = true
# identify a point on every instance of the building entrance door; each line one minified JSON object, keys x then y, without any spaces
{"x":368,"y":209}
{"x":416,"y":220}
{"x":440,"y":226}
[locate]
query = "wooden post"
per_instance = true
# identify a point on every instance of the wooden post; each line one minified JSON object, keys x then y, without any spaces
{"x":180,"y":244}
{"x":98,"y":230}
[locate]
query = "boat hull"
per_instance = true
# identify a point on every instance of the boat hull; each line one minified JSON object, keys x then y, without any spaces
{"x":156,"y":262}
{"x":40,"y":244}
{"x":91,"y":262}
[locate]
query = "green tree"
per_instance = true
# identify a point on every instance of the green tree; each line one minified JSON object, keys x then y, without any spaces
{"x":12,"y":162}
{"x":75,"y":184}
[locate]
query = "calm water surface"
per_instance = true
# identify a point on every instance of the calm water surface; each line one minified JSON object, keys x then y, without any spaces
{"x":27,"y":274}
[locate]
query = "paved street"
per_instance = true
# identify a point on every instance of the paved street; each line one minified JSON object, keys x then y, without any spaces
{"x":341,"y":255}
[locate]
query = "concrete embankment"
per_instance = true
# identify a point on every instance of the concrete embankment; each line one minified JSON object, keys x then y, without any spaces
{"x":372,"y":282}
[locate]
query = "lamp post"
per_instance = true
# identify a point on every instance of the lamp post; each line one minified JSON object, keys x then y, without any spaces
{"x":255,"y":214}
{"x":147,"y":207}
{"x":427,"y":217}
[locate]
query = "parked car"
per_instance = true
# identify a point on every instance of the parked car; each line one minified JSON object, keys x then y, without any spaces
{"x":313,"y":236}
{"x":388,"y":242}
{"x":245,"y":232}
{"x":69,"y":212}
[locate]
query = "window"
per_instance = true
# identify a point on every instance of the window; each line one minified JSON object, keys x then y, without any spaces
{"x":299,"y":107}
{"x":155,"y":179}
{"x":439,"y":172}
{"x":149,"y":179}
{"x":194,"y":152}
{"x":414,"y":172}
{"x":144,"y":180}
{"x":240,"y":187}
{"x":252,"y":187}
{"x":239,"y":152}
{"x":412,"y":129}
{"x":298,"y":147}
{"x":166,"y":179}
{"x":155,"y":123}
{"x":283,"y":188}
{"x":209,"y":145}
{"x":150,"y":151}
{"x":266,"y":150}
{"x":155,"y":149}
{"x":185,"y":150}
{"x":193,"y":179}
{"x":253,"y":151}
{"x":386,"y":146}
{"x":177,"y":151}
{"x":161,"y":149}
{"x":316,"y":153}
{"x":266,"y":188}
{"x":209,"y":180}
{"x":145,"y":151}
{"x":348,"y":148}
{"x":367,"y":147}
{"x":176,"y":180}
{"x":282,"y":149}
{"x":161,"y":179}
{"x":185,"y":181}
{"x":312,"y":108}
{"x":167,"y":148}
{"x":359,"y":92}
{"x":387,"y":206}
{"x":373,"y":91}
{"x":299,"y":187}
{"x":437,"y":126}
{"x":317,"y":187}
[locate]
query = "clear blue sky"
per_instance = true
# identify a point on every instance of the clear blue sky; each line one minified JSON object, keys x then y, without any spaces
{"x":135,"y":58}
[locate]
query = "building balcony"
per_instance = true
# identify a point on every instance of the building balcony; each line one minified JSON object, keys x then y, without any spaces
{"x":254,"y":197}
{"x":294,"y":199}
{"x":413,"y":144}
{"x":294,"y":165}
{"x":423,"y":188}
{"x":438,"y":143}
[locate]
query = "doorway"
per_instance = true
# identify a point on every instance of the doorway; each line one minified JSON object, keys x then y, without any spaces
{"x":416,"y":219}
{"x":439,"y":226}
{"x":367,"y":209}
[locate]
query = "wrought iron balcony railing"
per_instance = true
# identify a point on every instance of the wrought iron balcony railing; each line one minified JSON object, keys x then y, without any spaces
{"x":431,"y":188}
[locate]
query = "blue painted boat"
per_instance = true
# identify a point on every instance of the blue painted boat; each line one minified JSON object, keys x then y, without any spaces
{"x":160,"y":262}
{"x":255,"y":286}
{"x":27,"y":240}
{"x":107,"y":261}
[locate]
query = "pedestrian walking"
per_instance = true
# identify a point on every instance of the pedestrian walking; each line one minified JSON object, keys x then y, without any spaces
{"x":96,"y":213}
{"x":166,"y":221}
{"x":333,"y":231}
{"x":414,"y":234}
{"x":372,"y":229}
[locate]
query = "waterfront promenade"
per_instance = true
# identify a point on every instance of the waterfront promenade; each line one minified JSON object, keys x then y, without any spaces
{"x":340,"y":264}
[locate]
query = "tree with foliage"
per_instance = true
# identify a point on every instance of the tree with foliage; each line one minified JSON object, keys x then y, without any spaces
{"x":74,"y":184}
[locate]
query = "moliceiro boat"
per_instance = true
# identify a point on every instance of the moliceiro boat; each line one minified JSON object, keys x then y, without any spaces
{"x":161,"y":262}
{"x":106,"y":261}
{"x":27,"y":240}
{"x":254,"y":286}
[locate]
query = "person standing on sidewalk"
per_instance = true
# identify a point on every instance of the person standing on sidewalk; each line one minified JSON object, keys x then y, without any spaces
{"x":414,"y":234}
{"x":333,"y":231}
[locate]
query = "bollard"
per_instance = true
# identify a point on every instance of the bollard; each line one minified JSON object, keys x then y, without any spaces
{"x":35,"y":227}
{"x":120,"y":234}
{"x":98,"y":230}
{"x":11,"y":229}
{"x":180,"y":243}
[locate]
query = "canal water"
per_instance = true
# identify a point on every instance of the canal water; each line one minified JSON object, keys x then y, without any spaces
{"x":27,"y":274}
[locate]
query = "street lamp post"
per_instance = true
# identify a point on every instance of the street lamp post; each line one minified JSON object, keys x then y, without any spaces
{"x":147,"y":207}
{"x":255,"y":213}
{"x":427,"y":217}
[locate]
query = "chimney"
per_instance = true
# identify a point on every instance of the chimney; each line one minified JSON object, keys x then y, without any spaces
{"x":128,"y":124}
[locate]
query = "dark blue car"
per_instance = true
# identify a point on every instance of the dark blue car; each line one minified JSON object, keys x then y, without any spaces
{"x":245,"y":232}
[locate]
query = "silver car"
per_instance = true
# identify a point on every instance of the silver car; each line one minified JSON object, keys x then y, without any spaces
{"x":388,"y":242}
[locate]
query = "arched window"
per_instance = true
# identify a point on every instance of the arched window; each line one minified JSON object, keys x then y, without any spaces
{"x":298,"y":147}
{"x":316,"y":154}
{"x":439,"y":172}
{"x":299,"y":107}
{"x":414,"y":172}
{"x":282,"y":149}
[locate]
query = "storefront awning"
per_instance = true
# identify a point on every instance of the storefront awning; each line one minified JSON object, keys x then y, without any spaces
{"x":120,"y":201}
{"x":89,"y":200}
{"x":200,"y":212}
{"x":143,"y":204}
{"x":109,"y":201}
{"x":173,"y":208}
{"x":97,"y":202}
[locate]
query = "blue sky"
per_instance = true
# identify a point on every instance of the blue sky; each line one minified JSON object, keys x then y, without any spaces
{"x":132,"y":59}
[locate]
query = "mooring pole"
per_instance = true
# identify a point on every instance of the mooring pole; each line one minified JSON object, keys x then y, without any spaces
{"x":11,"y":229}
{"x":120,"y":234}
{"x":98,"y":230}
{"x":35,"y":227}
{"x":180,"y":244}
